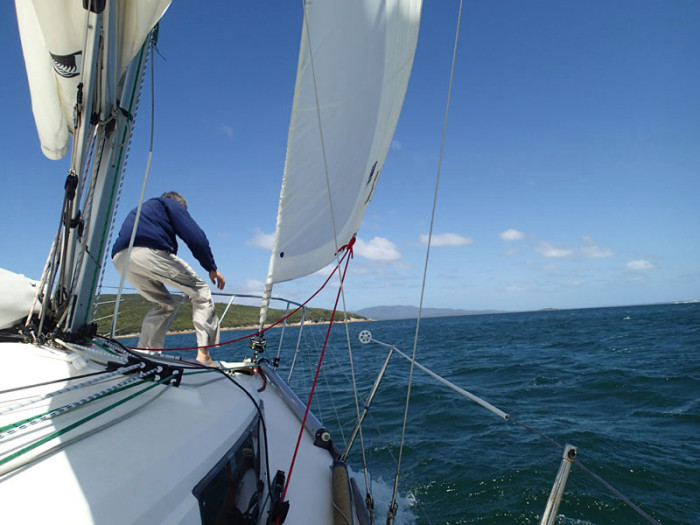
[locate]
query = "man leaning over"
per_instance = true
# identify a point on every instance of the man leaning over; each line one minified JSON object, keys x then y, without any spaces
{"x":154,"y":263}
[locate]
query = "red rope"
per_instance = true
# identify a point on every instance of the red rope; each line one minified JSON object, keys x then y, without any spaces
{"x":318,"y":367}
{"x":347,"y":247}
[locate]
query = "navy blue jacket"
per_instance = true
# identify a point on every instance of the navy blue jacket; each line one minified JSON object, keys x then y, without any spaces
{"x":161,"y":220}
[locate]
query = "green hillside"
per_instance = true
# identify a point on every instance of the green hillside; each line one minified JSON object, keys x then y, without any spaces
{"x":133,"y":308}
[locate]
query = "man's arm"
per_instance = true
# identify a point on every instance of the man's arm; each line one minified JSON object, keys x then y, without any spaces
{"x":217,"y":279}
{"x":189,"y":231}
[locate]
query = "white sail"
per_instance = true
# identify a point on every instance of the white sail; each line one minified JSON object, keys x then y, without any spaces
{"x":53,"y":40}
{"x":354,"y":65}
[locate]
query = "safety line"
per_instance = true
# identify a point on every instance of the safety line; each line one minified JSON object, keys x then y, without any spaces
{"x":616,"y":493}
{"x":542,"y":435}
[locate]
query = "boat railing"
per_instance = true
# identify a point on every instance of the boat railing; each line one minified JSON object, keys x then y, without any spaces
{"x":104,"y":314}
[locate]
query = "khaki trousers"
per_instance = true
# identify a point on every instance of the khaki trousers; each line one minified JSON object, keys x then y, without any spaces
{"x":149,"y":272}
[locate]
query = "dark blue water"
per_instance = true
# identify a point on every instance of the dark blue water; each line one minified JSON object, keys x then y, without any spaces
{"x":621,"y":384}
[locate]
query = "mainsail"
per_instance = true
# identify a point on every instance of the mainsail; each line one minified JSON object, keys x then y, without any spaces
{"x":354,"y":64}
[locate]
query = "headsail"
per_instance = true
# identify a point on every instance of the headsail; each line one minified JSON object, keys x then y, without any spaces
{"x":354,"y":64}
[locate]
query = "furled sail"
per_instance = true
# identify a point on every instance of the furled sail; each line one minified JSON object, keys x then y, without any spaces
{"x":85,"y":61}
{"x":354,"y":64}
{"x":53,"y":39}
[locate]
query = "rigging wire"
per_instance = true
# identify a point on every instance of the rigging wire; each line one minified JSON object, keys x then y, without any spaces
{"x":406,"y":479}
{"x":123,"y":157}
{"x":393,"y":507}
{"x":143,"y":192}
{"x":52,"y":264}
{"x":335,"y":237}
{"x":511,"y":419}
{"x":313,"y":387}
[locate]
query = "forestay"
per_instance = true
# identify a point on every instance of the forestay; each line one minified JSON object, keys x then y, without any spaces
{"x":354,"y":64}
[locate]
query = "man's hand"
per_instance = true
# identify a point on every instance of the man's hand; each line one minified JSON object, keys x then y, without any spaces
{"x":217,"y":279}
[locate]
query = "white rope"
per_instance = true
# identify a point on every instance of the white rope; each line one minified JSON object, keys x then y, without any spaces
{"x":36,"y":399}
{"x":393,"y":505}
{"x":42,"y":282}
{"x":75,"y":404}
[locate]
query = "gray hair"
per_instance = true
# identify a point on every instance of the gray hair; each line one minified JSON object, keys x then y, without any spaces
{"x":175,"y":196}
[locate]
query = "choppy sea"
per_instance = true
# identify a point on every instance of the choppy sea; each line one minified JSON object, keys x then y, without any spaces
{"x":621,"y":384}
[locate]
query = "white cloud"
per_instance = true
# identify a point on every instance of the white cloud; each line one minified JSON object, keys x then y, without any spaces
{"x":226,"y":130}
{"x":639,"y":266}
{"x":553,"y":252}
{"x":262,"y":240}
{"x":377,"y":249}
{"x":447,"y":239}
{"x":395,"y":144}
{"x":596,"y":252}
{"x":253,"y":287}
{"x":591,"y":251}
{"x":248,"y":287}
{"x":512,"y":235}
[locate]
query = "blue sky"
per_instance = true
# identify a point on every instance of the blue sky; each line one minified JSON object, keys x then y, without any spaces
{"x":570,"y":178}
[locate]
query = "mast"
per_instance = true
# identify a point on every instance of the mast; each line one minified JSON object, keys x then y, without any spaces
{"x":85,"y":63}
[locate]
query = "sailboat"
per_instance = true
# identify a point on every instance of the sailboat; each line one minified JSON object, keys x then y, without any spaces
{"x":107,"y":434}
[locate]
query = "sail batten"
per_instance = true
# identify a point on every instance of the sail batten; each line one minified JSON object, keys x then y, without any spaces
{"x":354,"y":63}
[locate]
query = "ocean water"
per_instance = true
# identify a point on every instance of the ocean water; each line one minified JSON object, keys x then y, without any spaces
{"x":621,"y":384}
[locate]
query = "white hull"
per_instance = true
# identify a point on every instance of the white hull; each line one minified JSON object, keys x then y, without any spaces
{"x":140,"y":462}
